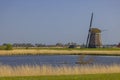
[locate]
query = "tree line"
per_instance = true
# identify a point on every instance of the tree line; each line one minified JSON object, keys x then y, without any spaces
{"x":8,"y":46}
{"x":43,"y":45}
{"x":69,"y":45}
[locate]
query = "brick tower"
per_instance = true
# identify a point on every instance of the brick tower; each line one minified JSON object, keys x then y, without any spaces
{"x":95,"y":38}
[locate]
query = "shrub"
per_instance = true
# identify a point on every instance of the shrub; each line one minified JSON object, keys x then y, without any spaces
{"x":2,"y":47}
{"x":8,"y":47}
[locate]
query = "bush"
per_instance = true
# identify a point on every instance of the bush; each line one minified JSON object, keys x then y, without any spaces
{"x":2,"y":47}
{"x":8,"y":47}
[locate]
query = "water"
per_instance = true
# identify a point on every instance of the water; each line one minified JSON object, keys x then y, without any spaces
{"x":54,"y":60}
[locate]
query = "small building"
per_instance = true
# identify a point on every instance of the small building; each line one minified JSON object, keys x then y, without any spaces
{"x":118,"y":45}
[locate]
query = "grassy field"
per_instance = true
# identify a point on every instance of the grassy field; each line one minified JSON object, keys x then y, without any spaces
{"x":45,"y":70}
{"x":44,"y":51}
{"x":115,"y":76}
{"x":65,"y":48}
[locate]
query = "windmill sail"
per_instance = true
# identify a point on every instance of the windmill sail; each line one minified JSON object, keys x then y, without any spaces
{"x":87,"y":42}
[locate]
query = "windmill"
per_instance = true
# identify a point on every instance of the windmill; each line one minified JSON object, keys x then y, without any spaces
{"x":94,"y":36}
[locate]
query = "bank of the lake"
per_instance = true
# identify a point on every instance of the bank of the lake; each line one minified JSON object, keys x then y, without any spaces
{"x":48,"y":70}
{"x":63,"y":51}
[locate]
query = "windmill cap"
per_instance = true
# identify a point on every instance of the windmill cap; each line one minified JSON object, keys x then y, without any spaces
{"x":95,"y":30}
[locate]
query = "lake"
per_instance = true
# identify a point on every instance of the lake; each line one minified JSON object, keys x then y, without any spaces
{"x":54,"y":60}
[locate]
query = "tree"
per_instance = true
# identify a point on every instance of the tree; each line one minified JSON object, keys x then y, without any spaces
{"x":59,"y":44}
{"x":8,"y":47}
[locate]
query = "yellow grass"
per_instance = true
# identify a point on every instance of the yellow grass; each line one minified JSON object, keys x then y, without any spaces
{"x":26,"y":70}
{"x":45,"y":51}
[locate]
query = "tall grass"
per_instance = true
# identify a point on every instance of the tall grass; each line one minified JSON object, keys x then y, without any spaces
{"x":37,"y":70}
{"x":45,"y":51}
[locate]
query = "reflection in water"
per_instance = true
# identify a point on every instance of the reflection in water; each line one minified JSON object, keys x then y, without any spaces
{"x":85,"y":60}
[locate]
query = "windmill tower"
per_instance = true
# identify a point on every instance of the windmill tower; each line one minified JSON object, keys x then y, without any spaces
{"x":94,"y":36}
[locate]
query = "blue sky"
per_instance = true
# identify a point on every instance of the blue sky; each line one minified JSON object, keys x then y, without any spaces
{"x":52,"y":21}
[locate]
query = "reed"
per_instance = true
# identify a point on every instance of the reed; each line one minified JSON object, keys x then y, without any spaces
{"x":45,"y":51}
{"x":36,"y":70}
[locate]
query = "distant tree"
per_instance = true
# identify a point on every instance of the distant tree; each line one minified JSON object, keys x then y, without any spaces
{"x":29,"y":45}
{"x":59,"y":44}
{"x":23,"y":45}
{"x":39,"y":45}
{"x":8,"y":47}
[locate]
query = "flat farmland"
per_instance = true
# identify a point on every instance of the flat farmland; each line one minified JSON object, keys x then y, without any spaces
{"x":63,"y":51}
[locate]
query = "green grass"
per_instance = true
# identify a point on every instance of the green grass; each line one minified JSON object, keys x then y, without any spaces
{"x":2,"y":47}
{"x":115,"y":76}
{"x":55,"y":48}
{"x":63,"y":51}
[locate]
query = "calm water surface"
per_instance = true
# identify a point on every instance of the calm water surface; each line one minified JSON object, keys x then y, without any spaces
{"x":57,"y":60}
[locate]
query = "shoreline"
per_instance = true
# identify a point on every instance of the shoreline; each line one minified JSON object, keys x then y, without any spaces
{"x":59,"y":52}
{"x":45,"y":70}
